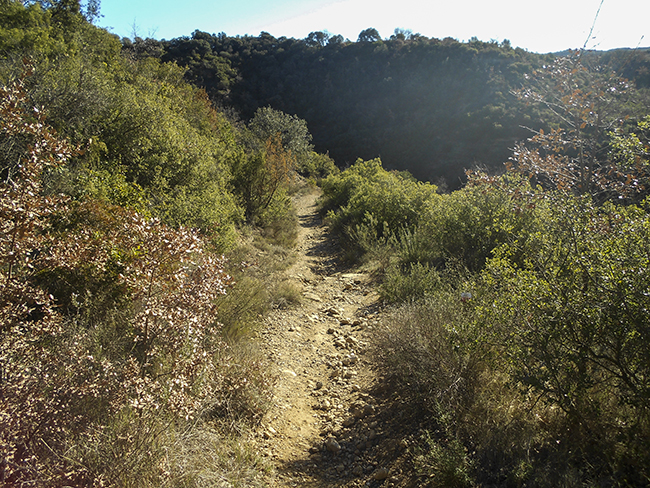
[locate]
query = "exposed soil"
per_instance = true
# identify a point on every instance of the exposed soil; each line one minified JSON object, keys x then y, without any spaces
{"x":335,"y":421}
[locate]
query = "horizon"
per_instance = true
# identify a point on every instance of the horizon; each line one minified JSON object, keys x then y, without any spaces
{"x":556,"y":26}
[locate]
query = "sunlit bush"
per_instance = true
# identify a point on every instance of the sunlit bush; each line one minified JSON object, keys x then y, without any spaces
{"x":467,"y":225}
{"x":109,"y":327}
{"x":555,"y":330}
{"x":368,"y":204}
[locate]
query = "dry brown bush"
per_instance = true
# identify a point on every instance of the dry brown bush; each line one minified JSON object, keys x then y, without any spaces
{"x":108,"y":335}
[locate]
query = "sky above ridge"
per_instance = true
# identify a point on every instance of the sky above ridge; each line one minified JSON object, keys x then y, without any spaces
{"x":538,"y":26}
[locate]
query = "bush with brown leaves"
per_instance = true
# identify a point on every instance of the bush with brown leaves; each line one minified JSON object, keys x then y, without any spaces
{"x":107,"y":320}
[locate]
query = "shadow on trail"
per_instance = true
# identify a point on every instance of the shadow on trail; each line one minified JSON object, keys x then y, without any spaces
{"x":326,"y":248}
{"x":370,"y":444}
{"x":310,"y":219}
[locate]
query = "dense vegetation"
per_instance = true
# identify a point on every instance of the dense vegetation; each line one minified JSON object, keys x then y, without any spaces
{"x":431,"y":106}
{"x":522,"y":332}
{"x":126,"y":175}
{"x":122,"y":330}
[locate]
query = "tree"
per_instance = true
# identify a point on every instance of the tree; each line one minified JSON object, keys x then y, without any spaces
{"x":66,"y":17}
{"x":631,"y":149}
{"x":27,"y":28}
{"x":585,"y":108}
{"x":279,"y":144}
{"x":317,"y":39}
{"x":206,"y":67}
{"x":369,"y":35}
{"x":257,"y":177}
{"x":92,"y":10}
{"x":294,"y":135}
{"x":335,"y":40}
{"x":402,"y":34}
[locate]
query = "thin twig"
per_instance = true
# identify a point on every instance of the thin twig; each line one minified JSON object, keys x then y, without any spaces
{"x":593,"y":26}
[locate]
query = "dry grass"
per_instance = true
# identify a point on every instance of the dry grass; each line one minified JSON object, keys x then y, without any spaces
{"x":484,"y":429}
{"x":202,"y":457}
{"x":286,"y":293}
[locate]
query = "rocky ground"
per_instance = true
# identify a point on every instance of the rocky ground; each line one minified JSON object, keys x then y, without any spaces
{"x":335,"y":421}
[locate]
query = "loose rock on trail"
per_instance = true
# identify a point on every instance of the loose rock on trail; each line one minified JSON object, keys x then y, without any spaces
{"x":328,"y":424}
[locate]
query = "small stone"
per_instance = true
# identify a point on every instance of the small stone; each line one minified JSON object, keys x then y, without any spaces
{"x":269,"y":432}
{"x":350,"y":360}
{"x":319,"y":385}
{"x":357,"y":471}
{"x":332,"y":446}
{"x":370,"y":399}
{"x":368,"y":410}
{"x":357,"y":412}
{"x":380,"y":474}
{"x":351,"y":340}
{"x":348,"y":422}
{"x":344,"y":321}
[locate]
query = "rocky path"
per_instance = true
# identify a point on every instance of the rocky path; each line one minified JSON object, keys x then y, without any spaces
{"x":328,"y":425}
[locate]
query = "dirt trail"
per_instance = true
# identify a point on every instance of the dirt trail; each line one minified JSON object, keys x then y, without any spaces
{"x":327,"y":426}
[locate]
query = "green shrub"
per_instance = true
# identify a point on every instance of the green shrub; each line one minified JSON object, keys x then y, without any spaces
{"x":366,"y":203}
{"x":469,"y":224}
{"x":573,"y":324}
{"x":411,"y":282}
{"x":150,"y":141}
{"x":368,"y":241}
{"x":575,"y":308}
{"x":444,"y":464}
{"x":317,"y":166}
{"x":542,"y":377}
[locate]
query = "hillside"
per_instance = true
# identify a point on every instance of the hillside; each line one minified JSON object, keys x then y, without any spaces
{"x":430,"y":106}
{"x":191,"y":295}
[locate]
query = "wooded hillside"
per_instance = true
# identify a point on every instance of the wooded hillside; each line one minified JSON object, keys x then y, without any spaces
{"x":433,"y":107}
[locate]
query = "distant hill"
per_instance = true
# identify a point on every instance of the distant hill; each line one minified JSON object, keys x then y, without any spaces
{"x":430,"y":106}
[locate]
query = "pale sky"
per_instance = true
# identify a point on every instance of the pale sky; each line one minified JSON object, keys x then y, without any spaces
{"x":538,"y":26}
